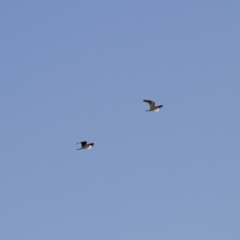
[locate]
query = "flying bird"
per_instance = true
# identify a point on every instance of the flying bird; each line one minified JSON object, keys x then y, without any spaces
{"x":85,"y":145}
{"x":152,"y":106}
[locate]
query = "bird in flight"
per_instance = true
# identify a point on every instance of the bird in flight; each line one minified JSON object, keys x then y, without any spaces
{"x":152,"y":106}
{"x":85,"y":145}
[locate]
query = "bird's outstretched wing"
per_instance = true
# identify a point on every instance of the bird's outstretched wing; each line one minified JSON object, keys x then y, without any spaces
{"x":83,"y":143}
{"x":150,"y":102}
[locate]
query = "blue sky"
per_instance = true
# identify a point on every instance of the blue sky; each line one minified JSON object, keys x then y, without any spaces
{"x":79,"y":70}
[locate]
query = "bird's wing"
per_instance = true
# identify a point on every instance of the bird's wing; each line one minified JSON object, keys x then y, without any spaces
{"x":151,"y":103}
{"x":83,"y":143}
{"x":91,"y":144}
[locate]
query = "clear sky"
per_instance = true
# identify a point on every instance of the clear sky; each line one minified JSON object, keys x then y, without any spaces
{"x":79,"y":70}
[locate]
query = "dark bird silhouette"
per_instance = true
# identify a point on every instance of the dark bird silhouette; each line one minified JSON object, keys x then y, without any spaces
{"x":152,"y":106}
{"x":85,"y":145}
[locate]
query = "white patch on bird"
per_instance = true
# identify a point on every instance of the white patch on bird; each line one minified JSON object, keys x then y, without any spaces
{"x":89,"y":147}
{"x":156,"y":110}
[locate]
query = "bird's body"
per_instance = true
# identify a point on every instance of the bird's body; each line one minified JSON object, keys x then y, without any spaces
{"x":156,"y":110}
{"x":153,"y":108}
{"x":85,"y":145}
{"x":89,"y":146}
